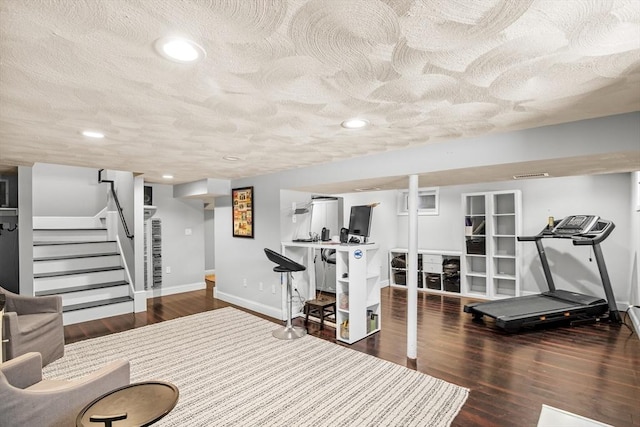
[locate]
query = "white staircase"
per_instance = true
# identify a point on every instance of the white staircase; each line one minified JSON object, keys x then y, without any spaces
{"x":85,"y":269}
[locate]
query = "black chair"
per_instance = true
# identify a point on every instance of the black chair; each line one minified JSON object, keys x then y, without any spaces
{"x":288,"y":266}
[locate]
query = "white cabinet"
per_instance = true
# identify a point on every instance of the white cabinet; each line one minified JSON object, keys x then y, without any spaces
{"x":438,"y":271}
{"x":491,"y":261}
{"x":357,"y":292}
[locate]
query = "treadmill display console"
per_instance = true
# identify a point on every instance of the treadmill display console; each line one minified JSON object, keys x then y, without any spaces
{"x":575,"y":224}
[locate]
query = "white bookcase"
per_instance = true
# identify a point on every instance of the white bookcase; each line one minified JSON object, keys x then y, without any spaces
{"x":358,"y":311}
{"x":438,"y":271}
{"x":491,"y":259}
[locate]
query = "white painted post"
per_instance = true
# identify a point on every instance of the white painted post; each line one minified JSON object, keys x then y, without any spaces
{"x":412,"y":270}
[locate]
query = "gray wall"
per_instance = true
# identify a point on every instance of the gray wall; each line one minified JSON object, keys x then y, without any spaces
{"x":67,"y":191}
{"x":243,"y":259}
{"x":184,"y":254}
{"x":209,"y":241}
{"x":602,"y":195}
{"x":25,"y":224}
{"x":123,"y":184}
{"x":9,"y":261}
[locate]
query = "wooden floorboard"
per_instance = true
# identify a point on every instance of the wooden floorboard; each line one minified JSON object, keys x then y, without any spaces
{"x":592,"y":370}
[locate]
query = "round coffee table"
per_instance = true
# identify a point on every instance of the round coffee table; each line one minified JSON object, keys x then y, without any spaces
{"x":137,"y":404}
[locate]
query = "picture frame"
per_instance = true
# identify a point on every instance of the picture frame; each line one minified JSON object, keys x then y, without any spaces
{"x":242,"y":208}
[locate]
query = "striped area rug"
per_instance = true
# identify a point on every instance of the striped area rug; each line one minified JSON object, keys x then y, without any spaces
{"x":231,"y":372}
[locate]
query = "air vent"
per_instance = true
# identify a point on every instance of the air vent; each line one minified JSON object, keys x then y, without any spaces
{"x":531,"y":175}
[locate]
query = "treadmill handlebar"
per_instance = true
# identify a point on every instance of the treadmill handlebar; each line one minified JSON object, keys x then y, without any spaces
{"x":604,"y":228}
{"x":597,"y":234}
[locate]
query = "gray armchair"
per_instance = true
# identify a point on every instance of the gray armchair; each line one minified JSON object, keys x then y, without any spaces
{"x":28,"y":400}
{"x":33,"y":324}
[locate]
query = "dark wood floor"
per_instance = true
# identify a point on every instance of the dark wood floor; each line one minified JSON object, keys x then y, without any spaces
{"x":591,"y":370}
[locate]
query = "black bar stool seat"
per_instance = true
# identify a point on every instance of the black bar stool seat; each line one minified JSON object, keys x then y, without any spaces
{"x":286,"y":266}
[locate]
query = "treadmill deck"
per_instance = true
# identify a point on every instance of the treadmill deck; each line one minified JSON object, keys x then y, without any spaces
{"x":514,"y":313}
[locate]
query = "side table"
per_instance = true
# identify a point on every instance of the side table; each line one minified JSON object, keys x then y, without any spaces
{"x":137,"y":404}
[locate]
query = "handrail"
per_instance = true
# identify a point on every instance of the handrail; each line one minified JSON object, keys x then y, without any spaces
{"x":115,"y":199}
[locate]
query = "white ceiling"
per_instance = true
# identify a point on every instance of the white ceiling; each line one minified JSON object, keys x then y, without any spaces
{"x":280,"y":76}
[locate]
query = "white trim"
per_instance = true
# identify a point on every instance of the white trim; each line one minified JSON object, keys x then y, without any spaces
{"x":207,"y":272}
{"x":170,"y":290}
{"x":140,"y":301}
{"x":276,"y":313}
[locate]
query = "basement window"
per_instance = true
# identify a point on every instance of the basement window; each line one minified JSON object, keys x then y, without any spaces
{"x":428,"y":201}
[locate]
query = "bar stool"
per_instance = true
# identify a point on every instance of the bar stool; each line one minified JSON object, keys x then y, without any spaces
{"x":288,"y":266}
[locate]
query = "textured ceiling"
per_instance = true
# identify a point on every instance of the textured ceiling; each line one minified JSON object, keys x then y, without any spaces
{"x":280,"y":76}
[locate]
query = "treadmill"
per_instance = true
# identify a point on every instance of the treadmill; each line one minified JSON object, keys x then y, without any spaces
{"x":557,"y":305}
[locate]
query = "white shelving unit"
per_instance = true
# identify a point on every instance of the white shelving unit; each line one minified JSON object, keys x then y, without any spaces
{"x":491,"y":262}
{"x":438,"y":271}
{"x":358,"y":311}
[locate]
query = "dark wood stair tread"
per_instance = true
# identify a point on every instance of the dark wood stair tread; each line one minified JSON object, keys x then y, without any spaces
{"x":72,"y":229}
{"x":61,"y":257}
{"x":83,"y":242}
{"x":70,"y":289}
{"x":93,"y":304}
{"x":74,"y":272}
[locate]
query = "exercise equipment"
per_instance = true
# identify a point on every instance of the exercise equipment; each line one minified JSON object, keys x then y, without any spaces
{"x":556,"y":305}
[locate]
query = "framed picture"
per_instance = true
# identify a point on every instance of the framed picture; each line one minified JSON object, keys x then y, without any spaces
{"x":242,"y":199}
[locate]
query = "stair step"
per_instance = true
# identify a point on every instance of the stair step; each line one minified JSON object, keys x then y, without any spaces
{"x":71,"y":229}
{"x":56,"y":243}
{"x":82,"y":288}
{"x":74,"y":272}
{"x":55,"y":258}
{"x":93,"y":304}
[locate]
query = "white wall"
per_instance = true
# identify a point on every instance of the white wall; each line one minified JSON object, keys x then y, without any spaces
{"x":634,"y":262}
{"x":182,"y":253}
{"x":602,"y":195}
{"x":209,"y":241}
{"x":238,"y":260}
{"x":67,"y":191}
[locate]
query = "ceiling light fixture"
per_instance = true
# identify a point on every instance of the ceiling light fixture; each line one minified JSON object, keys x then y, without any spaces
{"x":231,"y":158}
{"x":167,"y":176}
{"x":355,"y":123}
{"x":179,"y":49}
{"x":92,"y":134}
{"x":368,"y":189}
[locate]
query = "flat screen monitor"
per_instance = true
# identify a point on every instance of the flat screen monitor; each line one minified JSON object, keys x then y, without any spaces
{"x":360,"y":221}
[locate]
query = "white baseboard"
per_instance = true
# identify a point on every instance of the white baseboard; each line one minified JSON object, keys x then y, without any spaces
{"x":170,"y":290}
{"x":634,"y":315}
{"x":249,"y":305}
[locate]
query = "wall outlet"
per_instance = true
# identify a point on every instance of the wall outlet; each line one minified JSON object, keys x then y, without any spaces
{"x":273,"y":289}
{"x":168,"y":270}
{"x":260,"y":286}
{"x":244,"y":282}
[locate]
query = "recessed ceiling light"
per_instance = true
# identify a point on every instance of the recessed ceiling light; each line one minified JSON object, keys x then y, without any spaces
{"x":179,"y":49}
{"x":92,"y":134}
{"x":231,"y":158}
{"x":355,"y":123}
{"x":167,"y":176}
{"x":368,"y":189}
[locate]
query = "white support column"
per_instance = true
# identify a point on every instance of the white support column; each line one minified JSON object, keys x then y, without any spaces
{"x":412,"y":271}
